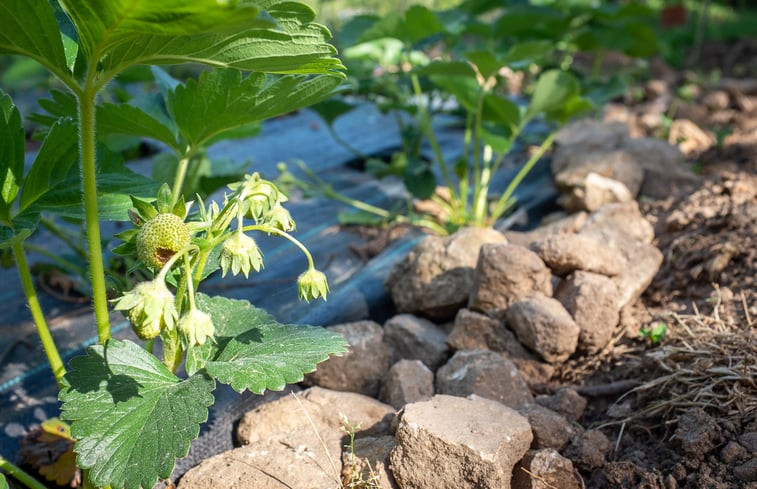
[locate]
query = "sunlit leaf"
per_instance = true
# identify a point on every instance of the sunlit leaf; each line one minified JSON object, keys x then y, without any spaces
{"x":127,"y":411}
{"x":252,"y":351}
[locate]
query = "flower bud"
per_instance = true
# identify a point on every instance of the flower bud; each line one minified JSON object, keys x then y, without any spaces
{"x":196,"y":327}
{"x":280,"y":218}
{"x":312,"y":284}
{"x":240,"y":253}
{"x":150,"y":307}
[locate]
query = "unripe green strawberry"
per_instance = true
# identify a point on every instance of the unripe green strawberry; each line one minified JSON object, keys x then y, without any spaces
{"x":160,"y":238}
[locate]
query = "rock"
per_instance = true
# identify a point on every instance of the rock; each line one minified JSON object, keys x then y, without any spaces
{"x":407,"y":381}
{"x":593,"y":192}
{"x":362,"y":368}
{"x":452,"y":443}
{"x":565,"y":401}
{"x":545,"y":469}
{"x":542,"y":324}
{"x":277,"y":419}
{"x":643,"y":261}
{"x":616,"y":224}
{"x":300,"y":462}
{"x":665,"y":168}
{"x":732,"y":452}
{"x":365,"y":463}
{"x":436,"y":277}
{"x":415,"y":338}
{"x":550,"y":429}
{"x":506,"y":274}
{"x":474,"y":331}
{"x":485,"y":373}
{"x":749,"y":441}
{"x":565,"y":253}
{"x":592,"y":133}
{"x":697,"y":433}
{"x":551,"y":225}
{"x":746,"y":472}
{"x":717,"y":100}
{"x":574,"y":165}
{"x":588,"y":450}
{"x":594,"y":302}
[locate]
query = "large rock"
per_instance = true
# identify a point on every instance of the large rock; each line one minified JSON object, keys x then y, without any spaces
{"x":542,"y":324}
{"x":436,"y":277}
{"x":317,"y":407}
{"x":545,"y":469}
{"x":616,"y":224}
{"x":415,"y":338}
{"x":304,"y":461}
{"x":594,"y":302}
{"x":506,"y":274}
{"x":590,"y":177}
{"x":474,"y":331}
{"x":292,"y":442}
{"x":485,"y":373}
{"x":455,"y":443}
{"x":643,"y":261}
{"x":365,"y":463}
{"x":565,"y":253}
{"x":554,"y":224}
{"x":550,"y":429}
{"x":363,"y":367}
{"x":664,"y":166}
{"x":406,"y":382}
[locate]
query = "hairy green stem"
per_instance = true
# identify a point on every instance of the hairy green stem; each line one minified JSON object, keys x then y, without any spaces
{"x":92,"y":222}
{"x":48,"y":344}
{"x":344,"y":144}
{"x":18,"y":474}
{"x":178,"y":181}
{"x":504,"y":200}
{"x":479,"y":193}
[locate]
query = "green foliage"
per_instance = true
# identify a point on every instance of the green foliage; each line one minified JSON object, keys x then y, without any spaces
{"x":656,"y":333}
{"x":128,"y":410}
{"x":131,"y":415}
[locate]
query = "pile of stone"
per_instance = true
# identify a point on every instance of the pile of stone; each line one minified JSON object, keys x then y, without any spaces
{"x":442,"y":395}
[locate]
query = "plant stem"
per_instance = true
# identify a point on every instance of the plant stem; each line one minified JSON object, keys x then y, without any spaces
{"x":479,"y":193}
{"x":92,"y":223}
{"x":344,"y":144}
{"x":278,"y":232}
{"x":504,"y":200}
{"x":428,"y":130}
{"x":178,"y":181}
{"x":18,"y":474}
{"x":53,"y":356}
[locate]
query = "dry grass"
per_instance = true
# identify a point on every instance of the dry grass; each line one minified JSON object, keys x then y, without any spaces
{"x":706,"y":361}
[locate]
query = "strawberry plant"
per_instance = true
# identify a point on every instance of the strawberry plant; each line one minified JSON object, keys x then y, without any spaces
{"x":420,"y":63}
{"x":130,"y":413}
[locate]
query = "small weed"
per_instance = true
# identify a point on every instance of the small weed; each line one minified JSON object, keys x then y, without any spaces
{"x":656,"y":333}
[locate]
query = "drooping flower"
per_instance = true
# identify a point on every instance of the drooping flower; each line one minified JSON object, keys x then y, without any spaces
{"x":240,"y":254}
{"x":312,"y":284}
{"x":195,"y":328}
{"x":150,"y":308}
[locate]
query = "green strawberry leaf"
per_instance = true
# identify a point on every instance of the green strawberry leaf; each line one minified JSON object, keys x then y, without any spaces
{"x":3,"y":482}
{"x":222,"y":100}
{"x":29,"y":28}
{"x":297,"y":46}
{"x":104,"y":25}
{"x":553,"y":89}
{"x":11,"y":155}
{"x":132,"y":418}
{"x":253,"y":351}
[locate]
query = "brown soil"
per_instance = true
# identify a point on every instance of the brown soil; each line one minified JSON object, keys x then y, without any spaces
{"x":676,"y":411}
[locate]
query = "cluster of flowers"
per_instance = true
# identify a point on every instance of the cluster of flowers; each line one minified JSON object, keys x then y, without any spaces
{"x":163,"y":237}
